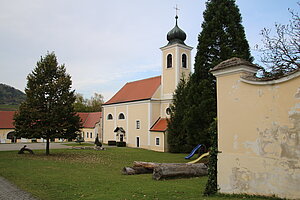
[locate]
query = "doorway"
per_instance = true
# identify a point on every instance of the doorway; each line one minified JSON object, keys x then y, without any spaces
{"x":11,"y":136}
{"x":137,"y":141}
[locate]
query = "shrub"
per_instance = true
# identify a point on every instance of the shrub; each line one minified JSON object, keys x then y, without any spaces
{"x":112,"y":143}
{"x":121,"y":144}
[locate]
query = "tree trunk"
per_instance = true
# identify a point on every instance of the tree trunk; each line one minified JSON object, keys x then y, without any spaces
{"x":169,"y":170}
{"x":136,"y":170}
{"x":47,"y":146}
{"x":148,"y":165}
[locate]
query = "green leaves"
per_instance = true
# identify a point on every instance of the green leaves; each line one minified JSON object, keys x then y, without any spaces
{"x":48,"y":111}
{"x":177,"y":132}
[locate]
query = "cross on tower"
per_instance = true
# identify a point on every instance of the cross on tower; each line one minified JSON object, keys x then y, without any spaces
{"x":177,"y":9}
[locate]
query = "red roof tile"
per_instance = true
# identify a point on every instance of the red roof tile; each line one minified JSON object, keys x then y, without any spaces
{"x":7,"y":119}
{"x":160,"y":125}
{"x":89,"y":120}
{"x":137,"y":90}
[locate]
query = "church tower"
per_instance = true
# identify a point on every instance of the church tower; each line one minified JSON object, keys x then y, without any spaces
{"x":176,"y":61}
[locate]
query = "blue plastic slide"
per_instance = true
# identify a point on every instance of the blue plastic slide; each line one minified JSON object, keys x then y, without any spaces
{"x":194,"y":151}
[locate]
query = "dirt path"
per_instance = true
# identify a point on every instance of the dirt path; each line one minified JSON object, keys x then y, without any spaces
{"x":18,"y":146}
{"x":8,"y":191}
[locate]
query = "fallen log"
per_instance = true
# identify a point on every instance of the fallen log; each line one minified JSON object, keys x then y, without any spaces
{"x":148,"y":165}
{"x":168,"y":170}
{"x":136,"y":170}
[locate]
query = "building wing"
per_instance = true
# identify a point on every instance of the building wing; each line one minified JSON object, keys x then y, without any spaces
{"x":160,"y":125}
{"x":89,"y":120}
{"x":7,"y":119}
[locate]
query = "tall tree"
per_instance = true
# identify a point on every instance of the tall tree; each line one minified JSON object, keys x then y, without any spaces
{"x":281,"y":52}
{"x":177,"y":132}
{"x":222,"y":37}
{"x":48,"y":111}
{"x":94,"y":104}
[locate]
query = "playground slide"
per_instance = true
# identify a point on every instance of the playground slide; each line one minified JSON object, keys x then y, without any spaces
{"x":194,"y":151}
{"x":198,"y":159}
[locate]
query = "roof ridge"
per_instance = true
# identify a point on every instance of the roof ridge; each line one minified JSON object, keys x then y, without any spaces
{"x":144,"y":79}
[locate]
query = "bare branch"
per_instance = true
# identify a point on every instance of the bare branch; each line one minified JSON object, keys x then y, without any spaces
{"x":281,"y":52}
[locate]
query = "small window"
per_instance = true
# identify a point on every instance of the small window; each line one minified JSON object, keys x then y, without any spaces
{"x":91,"y":135}
{"x":157,"y":141}
{"x":87,"y":134}
{"x":121,"y":116}
{"x":183,"y":58}
{"x":109,"y":117}
{"x":169,"y":61}
{"x":138,"y":124}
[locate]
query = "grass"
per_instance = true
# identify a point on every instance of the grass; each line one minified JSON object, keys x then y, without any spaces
{"x":4,"y":107}
{"x":79,"y":145}
{"x":89,"y":174}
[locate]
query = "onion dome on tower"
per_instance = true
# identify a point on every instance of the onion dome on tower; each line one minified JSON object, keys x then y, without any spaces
{"x":176,"y":35}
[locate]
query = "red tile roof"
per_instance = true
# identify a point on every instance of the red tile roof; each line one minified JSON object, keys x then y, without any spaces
{"x":7,"y":119}
{"x":160,"y":125}
{"x":89,"y":120}
{"x":137,"y":90}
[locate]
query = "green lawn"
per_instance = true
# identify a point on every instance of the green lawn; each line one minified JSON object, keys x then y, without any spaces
{"x":89,"y":174}
{"x":83,"y":144}
{"x":4,"y":107}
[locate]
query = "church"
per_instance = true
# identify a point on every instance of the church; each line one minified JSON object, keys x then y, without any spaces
{"x":137,"y":114}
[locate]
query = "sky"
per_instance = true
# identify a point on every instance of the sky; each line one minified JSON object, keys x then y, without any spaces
{"x":105,"y":44}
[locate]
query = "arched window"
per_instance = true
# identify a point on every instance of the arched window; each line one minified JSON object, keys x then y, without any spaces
{"x":169,"y":61}
{"x":168,"y":111}
{"x":183,"y":59}
{"x":109,"y":117}
{"x":10,"y":135}
{"x":121,"y":116}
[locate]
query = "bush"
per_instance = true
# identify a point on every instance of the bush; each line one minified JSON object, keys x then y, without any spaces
{"x":121,"y":144}
{"x":112,"y":143}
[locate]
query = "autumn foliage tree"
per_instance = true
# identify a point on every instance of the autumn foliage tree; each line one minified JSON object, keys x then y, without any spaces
{"x":48,"y":111}
{"x":94,"y":104}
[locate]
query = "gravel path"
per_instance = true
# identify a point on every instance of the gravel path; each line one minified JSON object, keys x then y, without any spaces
{"x":8,"y":191}
{"x":18,"y":146}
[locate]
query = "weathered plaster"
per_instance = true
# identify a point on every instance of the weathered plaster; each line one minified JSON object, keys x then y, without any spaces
{"x":297,"y":95}
{"x":278,"y":141}
{"x":259,"y":136}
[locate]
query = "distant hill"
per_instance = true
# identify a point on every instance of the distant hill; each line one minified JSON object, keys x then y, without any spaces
{"x":10,"y":95}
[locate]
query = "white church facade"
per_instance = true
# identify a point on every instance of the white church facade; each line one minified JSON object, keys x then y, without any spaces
{"x":137,"y":114}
